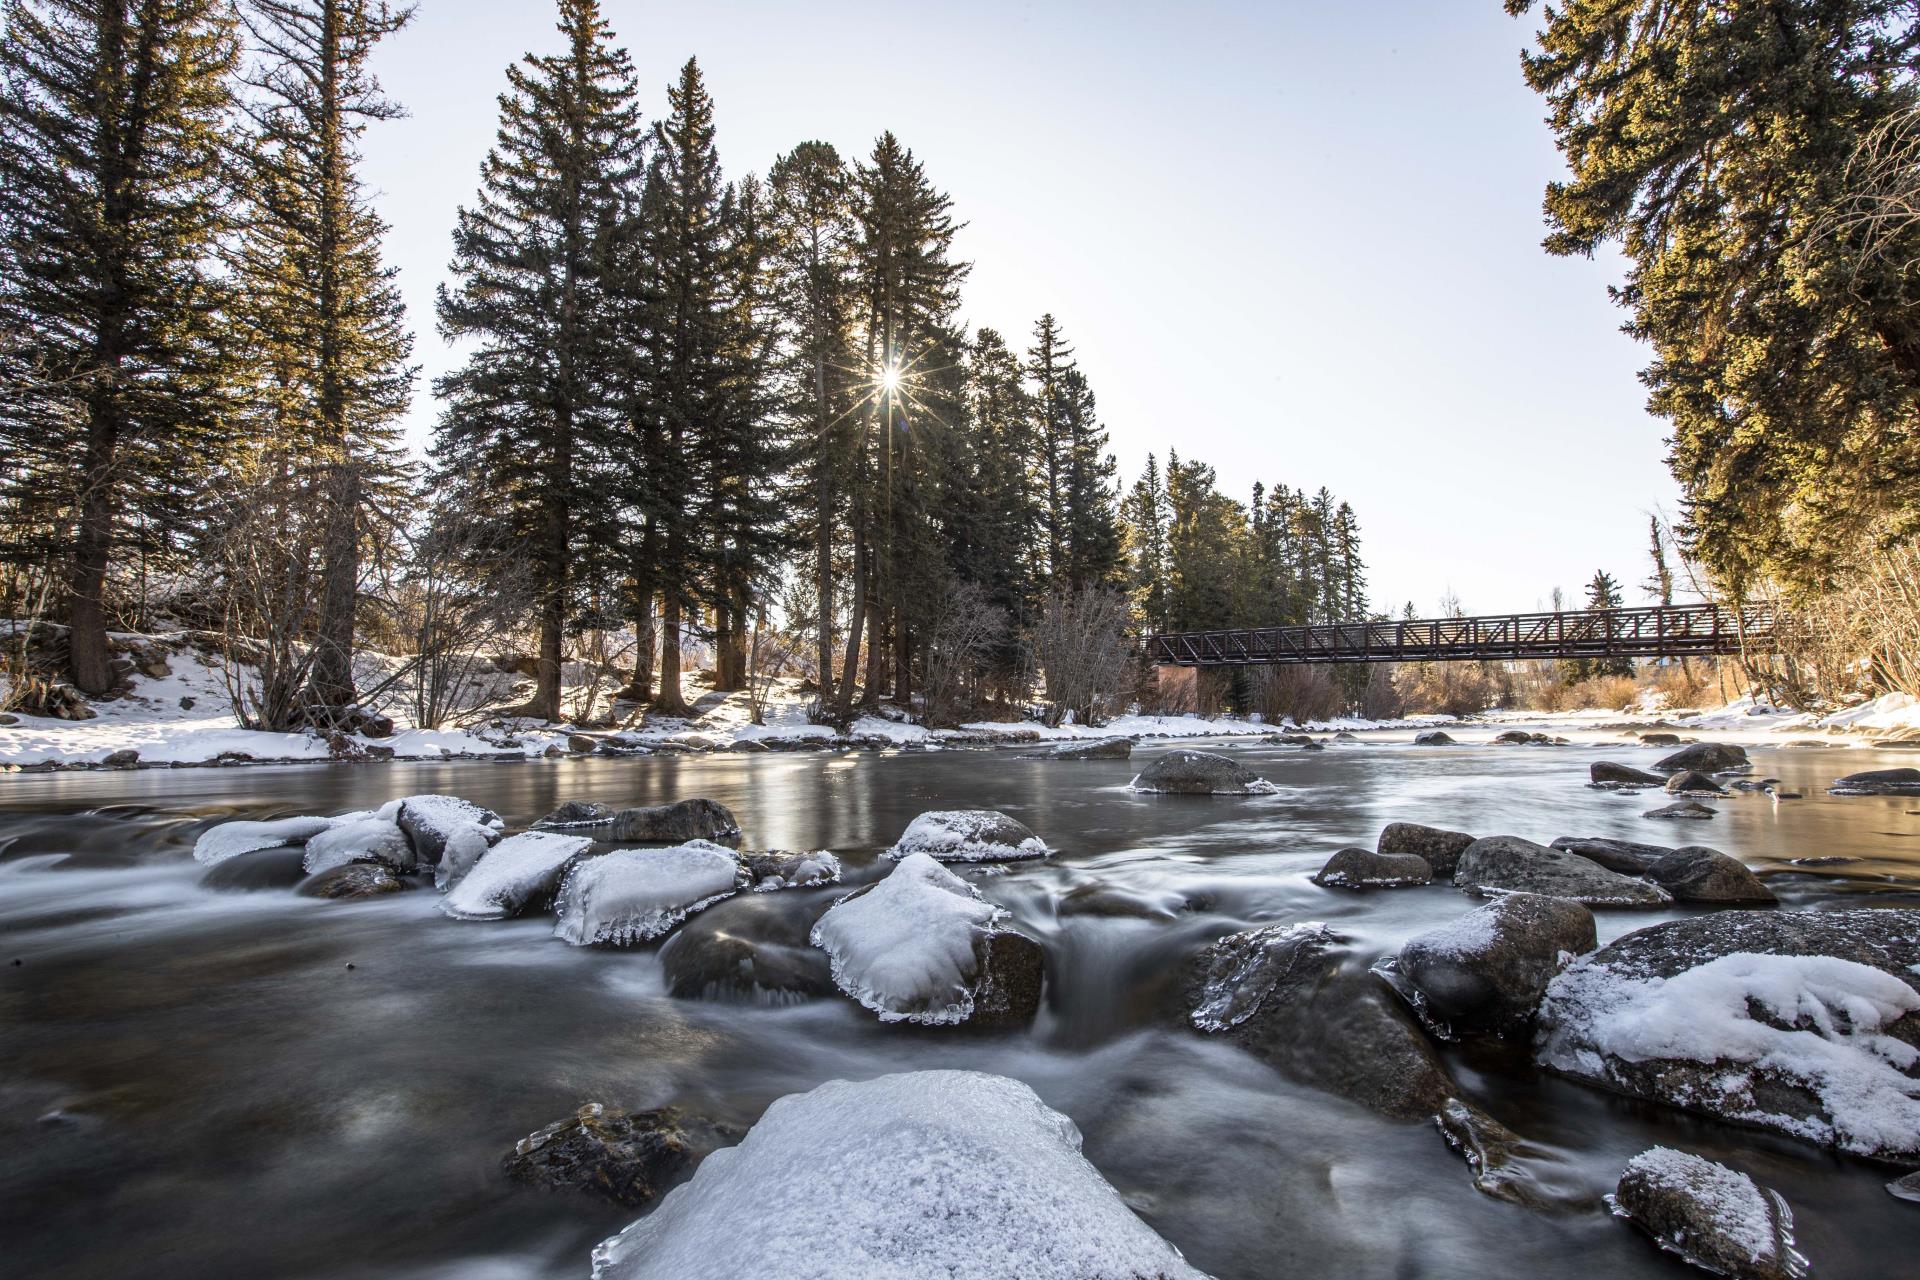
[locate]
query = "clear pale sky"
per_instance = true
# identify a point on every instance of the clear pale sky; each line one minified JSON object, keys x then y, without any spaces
{"x":1297,"y":240}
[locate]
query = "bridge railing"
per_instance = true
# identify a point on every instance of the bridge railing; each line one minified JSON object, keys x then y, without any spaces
{"x":1648,"y":632}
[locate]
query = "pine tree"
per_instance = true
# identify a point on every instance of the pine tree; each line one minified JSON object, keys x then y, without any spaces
{"x":1049,"y":360}
{"x":329,"y":333}
{"x":113,"y":116}
{"x":1089,"y":535}
{"x":993,"y":516}
{"x":531,"y":416}
{"x":1145,"y":519}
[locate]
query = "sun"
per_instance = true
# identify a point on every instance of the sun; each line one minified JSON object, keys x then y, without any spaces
{"x":890,"y":378}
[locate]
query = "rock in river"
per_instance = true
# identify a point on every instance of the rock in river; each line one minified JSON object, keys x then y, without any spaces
{"x":968,"y":835}
{"x":1625,"y":856}
{"x":353,"y":880}
{"x":635,"y":895}
{"x":1696,"y":873}
{"x":1684,"y":811}
{"x":1441,"y":849}
{"x":1433,"y":738}
{"x":752,"y":949}
{"x":1507,"y":864}
{"x":1880,"y":782}
{"x":1199,"y":773}
{"x":1486,"y":970}
{"x":676,"y":823}
{"x":258,"y":869}
{"x":1707,"y":757}
{"x":1606,"y":773}
{"x":1691,"y":782}
{"x":520,"y":871}
{"x":1803,"y":1022}
{"x":1365,"y":869}
{"x":1717,"y":1218}
{"x":1099,"y":749}
{"x":628,"y":1157}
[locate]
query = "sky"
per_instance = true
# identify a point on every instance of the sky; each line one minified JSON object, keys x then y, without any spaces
{"x":1296,"y":244}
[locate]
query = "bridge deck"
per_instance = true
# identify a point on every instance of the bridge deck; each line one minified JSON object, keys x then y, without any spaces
{"x":1657,"y":631}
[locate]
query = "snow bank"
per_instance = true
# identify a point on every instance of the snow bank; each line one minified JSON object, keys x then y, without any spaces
{"x":231,"y":839}
{"x":512,"y":874}
{"x":905,"y":947}
{"x":633,"y":895}
{"x":928,"y":1175}
{"x":1830,"y":1042}
{"x":968,"y":835}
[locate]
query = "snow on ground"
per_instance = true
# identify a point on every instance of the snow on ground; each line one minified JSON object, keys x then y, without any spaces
{"x":934,"y":1174}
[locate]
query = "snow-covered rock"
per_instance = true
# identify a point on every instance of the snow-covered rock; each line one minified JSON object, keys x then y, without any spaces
{"x":778,"y":869}
{"x":1717,"y":1218}
{"x":635,"y":895}
{"x":1365,"y":869}
{"x":360,"y":839}
{"x":922,"y":1176}
{"x":1199,"y":773}
{"x":512,"y":874}
{"x":448,"y":833}
{"x":968,"y":835}
{"x":910,"y":948}
{"x":1800,"y":1022}
{"x":230,"y":839}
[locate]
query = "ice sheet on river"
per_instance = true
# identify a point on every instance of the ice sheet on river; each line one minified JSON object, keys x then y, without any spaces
{"x":906,"y":947}
{"x":512,"y":874}
{"x":921,"y":1176}
{"x":633,"y":895}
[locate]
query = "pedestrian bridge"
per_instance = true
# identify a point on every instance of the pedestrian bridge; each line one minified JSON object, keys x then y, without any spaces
{"x":1656,"y":631}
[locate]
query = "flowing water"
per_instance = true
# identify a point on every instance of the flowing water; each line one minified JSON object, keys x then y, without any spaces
{"x":222,"y":1084}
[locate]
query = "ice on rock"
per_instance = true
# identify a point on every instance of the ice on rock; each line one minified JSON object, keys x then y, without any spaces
{"x":905,"y":948}
{"x":1717,"y":1218}
{"x":927,"y":1175}
{"x":450,"y":833}
{"x":512,"y":874}
{"x":359,"y":839}
{"x":231,"y":839}
{"x":1824,"y":1034}
{"x":969,"y":835}
{"x":633,"y":895}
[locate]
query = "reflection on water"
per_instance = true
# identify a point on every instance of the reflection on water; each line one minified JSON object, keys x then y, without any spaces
{"x":204,"y":1084}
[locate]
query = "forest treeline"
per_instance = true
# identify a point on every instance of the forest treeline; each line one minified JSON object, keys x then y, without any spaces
{"x":687,"y":405}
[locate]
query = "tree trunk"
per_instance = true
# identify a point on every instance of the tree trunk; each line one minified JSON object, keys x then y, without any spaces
{"x":823,"y":535}
{"x":640,"y":687}
{"x":545,"y":703}
{"x":88,"y":656}
{"x":331,"y":684}
{"x":902,"y":663}
{"x":856,"y":619}
{"x":876,"y":655}
{"x":670,"y":701}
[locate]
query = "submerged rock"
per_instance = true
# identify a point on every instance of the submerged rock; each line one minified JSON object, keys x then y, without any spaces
{"x":1606,"y":773}
{"x":1495,"y":865}
{"x":1659,"y":739}
{"x":1707,"y":757}
{"x":636,"y":895}
{"x":1717,"y":1218}
{"x":1880,"y":782}
{"x":1625,"y":856}
{"x":1485,"y":971}
{"x":1684,"y":811}
{"x":929,"y":1173}
{"x":628,"y":1157}
{"x":1365,"y":869}
{"x":1199,"y":773}
{"x":353,"y":880}
{"x":968,"y":835}
{"x":1101,"y":749}
{"x":1803,"y":1022}
{"x":1115,"y":903}
{"x":1696,"y":873}
{"x":676,"y":823}
{"x":1441,"y":849}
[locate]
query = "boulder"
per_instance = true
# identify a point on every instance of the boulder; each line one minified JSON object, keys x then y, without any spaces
{"x":1880,"y":782}
{"x":1606,"y":773}
{"x":521,"y":871}
{"x":353,"y":880}
{"x":628,"y":1157}
{"x":1707,"y":757}
{"x":582,"y":744}
{"x":1495,"y":865}
{"x":1432,"y":738}
{"x":675,"y":823}
{"x":257,"y":869}
{"x":751,"y":949}
{"x":432,"y":822}
{"x":1625,"y":856}
{"x":1659,"y":739}
{"x":1300,"y":740}
{"x":577,"y":813}
{"x":1012,"y":970}
{"x":1485,"y":971}
{"x":1696,"y":873}
{"x":1365,"y":869}
{"x":1801,"y":1022}
{"x":360,"y":838}
{"x":635,"y":895}
{"x":1521,"y":738}
{"x":1101,"y":749}
{"x":1685,"y":811}
{"x":772,"y":869}
{"x":1199,"y":773}
{"x":124,"y":758}
{"x":1298,"y":997}
{"x":1692,"y":782}
{"x":1717,"y":1218}
{"x":1441,"y":849}
{"x":968,"y":835}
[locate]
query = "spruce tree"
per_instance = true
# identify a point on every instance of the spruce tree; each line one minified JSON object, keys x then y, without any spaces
{"x":994,"y":514}
{"x":1144,"y":520}
{"x":1049,"y":360}
{"x":329,"y":336}
{"x":1089,"y":536}
{"x":113,"y":123}
{"x":531,"y":417}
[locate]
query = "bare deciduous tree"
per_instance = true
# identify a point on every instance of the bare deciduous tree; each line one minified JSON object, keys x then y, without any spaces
{"x":1082,"y":647}
{"x":960,"y":639}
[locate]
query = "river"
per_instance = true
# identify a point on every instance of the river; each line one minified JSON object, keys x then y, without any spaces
{"x":204,"y":1084}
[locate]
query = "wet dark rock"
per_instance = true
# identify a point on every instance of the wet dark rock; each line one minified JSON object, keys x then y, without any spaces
{"x":1441,"y":849}
{"x":1507,"y":1166}
{"x":1484,"y":972}
{"x":1110,"y":902}
{"x":1198,"y":773}
{"x":1521,"y":738}
{"x":1905,"y":1188}
{"x":676,"y":823}
{"x":1365,"y":869}
{"x":1885,"y":782}
{"x":8,"y":719}
{"x":1707,"y":757}
{"x":1660,"y":739}
{"x":582,"y":744}
{"x":1625,"y":856}
{"x":1011,"y":974}
{"x":353,"y":880}
{"x":752,"y":948}
{"x":1103,"y":749}
{"x":1692,"y":782}
{"x":577,"y":812}
{"x":1299,"y":998}
{"x":1685,"y":811}
{"x":1432,"y":738}
{"x":121,"y":759}
{"x":628,"y":1157}
{"x":1736,"y":1084}
{"x":1507,"y":864}
{"x":1606,"y":773}
{"x":1717,"y":1218}
{"x":1300,"y":740}
{"x":1696,"y":873}
{"x":260,"y":869}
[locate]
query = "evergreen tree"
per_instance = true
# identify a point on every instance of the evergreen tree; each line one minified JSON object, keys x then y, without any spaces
{"x":113,"y":117}
{"x":1049,"y":361}
{"x":329,"y":337}
{"x":531,"y":416}
{"x":994,"y":515}
{"x":1205,"y":537}
{"x":1145,"y":518}
{"x":1089,"y":535}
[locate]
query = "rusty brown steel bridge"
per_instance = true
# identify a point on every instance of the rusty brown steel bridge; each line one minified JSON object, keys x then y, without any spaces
{"x":1656,"y":631}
